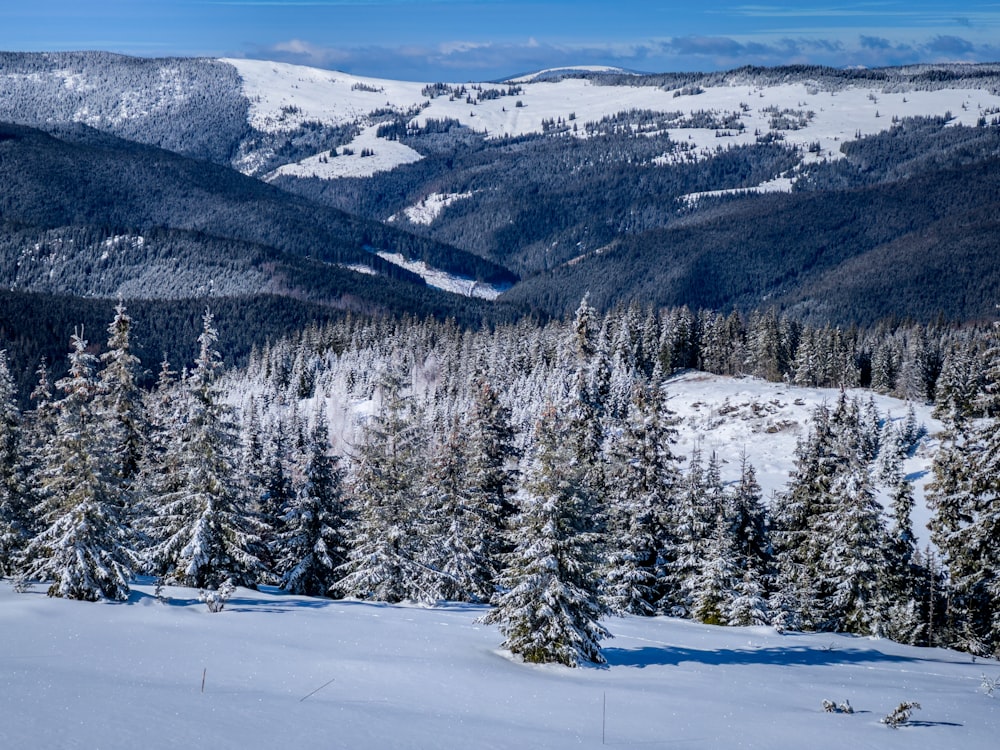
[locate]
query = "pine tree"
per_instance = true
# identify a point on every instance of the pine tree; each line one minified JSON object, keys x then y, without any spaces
{"x":14,"y":520}
{"x":459,"y":541}
{"x":82,"y":543}
{"x":752,"y":551}
{"x":691,"y":521}
{"x":549,"y":606}
{"x":492,"y":467}
{"x":644,"y":480}
{"x":382,"y":562}
{"x":120,"y":400}
{"x":854,"y":561}
{"x":205,"y":533}
{"x":713,"y":588}
{"x":966,"y":527}
{"x":312,"y":542}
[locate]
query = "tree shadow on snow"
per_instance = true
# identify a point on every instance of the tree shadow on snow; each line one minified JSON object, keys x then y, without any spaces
{"x":666,"y":656}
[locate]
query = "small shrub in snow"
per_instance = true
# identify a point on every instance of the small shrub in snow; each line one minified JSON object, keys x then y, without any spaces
{"x":216,"y":600}
{"x":832,"y":708}
{"x":990,"y":684}
{"x":901,"y":714}
{"x":22,"y":585}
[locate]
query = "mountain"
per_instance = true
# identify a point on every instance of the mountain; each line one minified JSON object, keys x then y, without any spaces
{"x":837,"y":195}
{"x":90,"y":214}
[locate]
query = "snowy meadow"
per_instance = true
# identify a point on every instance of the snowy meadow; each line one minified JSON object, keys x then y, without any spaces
{"x":287,"y":671}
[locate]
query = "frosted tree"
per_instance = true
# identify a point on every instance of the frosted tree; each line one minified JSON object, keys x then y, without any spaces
{"x":81,"y":546}
{"x":312,"y":543}
{"x":382,"y":560}
{"x":492,"y":470}
{"x":713,"y":586}
{"x":747,"y":518}
{"x":691,"y":521}
{"x":14,"y":520}
{"x":643,"y":482}
{"x":798,"y":533}
{"x":275,"y":492}
{"x":204,"y":530}
{"x":549,"y":607}
{"x":854,"y":560}
{"x":120,"y":400}
{"x":457,"y":539}
{"x":966,"y":526}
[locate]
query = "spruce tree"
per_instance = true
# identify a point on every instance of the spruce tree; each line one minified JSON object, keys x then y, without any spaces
{"x":549,"y":606}
{"x":382,"y":562}
{"x":205,"y":533}
{"x":312,"y":543}
{"x":81,"y":546}
{"x":493,"y":473}
{"x":14,"y":521}
{"x":644,"y":480}
{"x":458,"y":540}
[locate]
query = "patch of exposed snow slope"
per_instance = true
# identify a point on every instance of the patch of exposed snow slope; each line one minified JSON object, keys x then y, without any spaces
{"x":427,"y":210}
{"x":366,"y":154}
{"x":445,"y":281}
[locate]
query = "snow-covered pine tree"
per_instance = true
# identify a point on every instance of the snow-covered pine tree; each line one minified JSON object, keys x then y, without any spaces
{"x":748,"y":520}
{"x":642,"y":485}
{"x":275,"y":492}
{"x":493,"y":474}
{"x":549,"y":606}
{"x":457,"y":555}
{"x":382,"y":561}
{"x":312,"y":541}
{"x":691,"y":523}
{"x":975,"y":568}
{"x":205,"y":533}
{"x":854,"y":562}
{"x":13,"y":506}
{"x":797,"y":535}
{"x":81,"y":546}
{"x":120,"y":401}
{"x":713,"y":588}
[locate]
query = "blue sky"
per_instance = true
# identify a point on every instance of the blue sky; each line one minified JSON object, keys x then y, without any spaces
{"x":462,"y":40}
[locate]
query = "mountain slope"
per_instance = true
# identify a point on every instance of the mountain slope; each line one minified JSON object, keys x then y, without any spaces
{"x":851,"y":255}
{"x":128,"y":210}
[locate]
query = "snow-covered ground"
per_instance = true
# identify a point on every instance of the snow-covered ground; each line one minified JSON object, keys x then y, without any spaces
{"x":291,"y":672}
{"x":445,"y":281}
{"x":428,"y":209}
{"x":365,"y":155}
{"x":284,"y":96}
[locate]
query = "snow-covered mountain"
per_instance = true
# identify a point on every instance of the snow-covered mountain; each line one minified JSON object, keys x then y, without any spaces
{"x":813,"y":115}
{"x":736,"y":189}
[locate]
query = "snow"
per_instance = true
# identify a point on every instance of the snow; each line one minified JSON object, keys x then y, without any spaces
{"x":428,"y":209}
{"x":731,"y":415}
{"x":445,"y":281}
{"x":549,"y":72}
{"x":287,"y":671}
{"x":387,"y":156}
{"x":284,"y":96}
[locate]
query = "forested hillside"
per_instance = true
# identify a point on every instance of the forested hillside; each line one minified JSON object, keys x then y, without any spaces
{"x":459,"y":456}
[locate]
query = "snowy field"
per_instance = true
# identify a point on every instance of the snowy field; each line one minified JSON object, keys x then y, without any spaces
{"x":293,"y":672}
{"x":284,"y":96}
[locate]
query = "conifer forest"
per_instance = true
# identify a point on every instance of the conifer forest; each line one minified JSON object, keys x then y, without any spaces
{"x":531,"y":466}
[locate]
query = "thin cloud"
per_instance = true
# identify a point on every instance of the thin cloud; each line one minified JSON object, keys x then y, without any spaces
{"x":463,"y":60}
